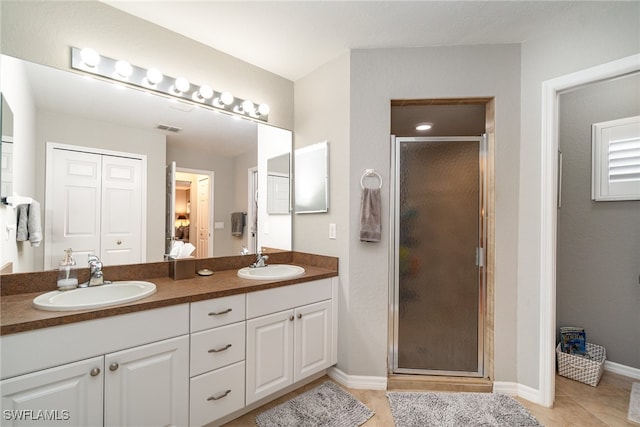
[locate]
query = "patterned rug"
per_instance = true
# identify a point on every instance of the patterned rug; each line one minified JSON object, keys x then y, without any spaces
{"x":413,"y":409}
{"x":634,"y":403}
{"x":325,"y":405}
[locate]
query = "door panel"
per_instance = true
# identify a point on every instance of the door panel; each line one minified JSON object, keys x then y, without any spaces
{"x":122,"y":211}
{"x":75,"y":205}
{"x":439,"y":319}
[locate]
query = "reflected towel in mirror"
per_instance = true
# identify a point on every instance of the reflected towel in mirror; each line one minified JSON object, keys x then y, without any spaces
{"x":237,"y":223}
{"x":29,"y":225}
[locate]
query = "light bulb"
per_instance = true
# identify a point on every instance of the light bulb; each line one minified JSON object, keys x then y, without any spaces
{"x":90,"y":57}
{"x":205,"y":92}
{"x":123,"y":69}
{"x":154,"y":76}
{"x":226,"y":98}
{"x":248,"y":107}
{"x":423,"y":126}
{"x":264,"y":109}
{"x":182,"y":84}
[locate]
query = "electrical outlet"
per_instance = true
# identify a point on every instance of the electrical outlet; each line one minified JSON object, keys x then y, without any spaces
{"x":332,"y":231}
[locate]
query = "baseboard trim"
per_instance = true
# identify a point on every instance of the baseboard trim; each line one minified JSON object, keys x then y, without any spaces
{"x":357,"y":381}
{"x":617,"y":368}
{"x":504,"y":387}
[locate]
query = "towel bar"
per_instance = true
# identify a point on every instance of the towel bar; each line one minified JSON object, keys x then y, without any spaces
{"x":367,"y":173}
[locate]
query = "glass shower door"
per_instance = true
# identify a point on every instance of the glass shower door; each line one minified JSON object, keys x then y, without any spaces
{"x":439,"y":256}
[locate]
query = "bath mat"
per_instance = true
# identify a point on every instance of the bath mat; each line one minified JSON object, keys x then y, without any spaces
{"x":325,"y":405}
{"x":634,"y":403}
{"x":413,"y":409}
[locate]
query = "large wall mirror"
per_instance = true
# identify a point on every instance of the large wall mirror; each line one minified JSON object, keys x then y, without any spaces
{"x":221,"y":159}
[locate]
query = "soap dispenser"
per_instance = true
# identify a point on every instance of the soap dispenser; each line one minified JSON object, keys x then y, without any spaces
{"x":67,"y":275}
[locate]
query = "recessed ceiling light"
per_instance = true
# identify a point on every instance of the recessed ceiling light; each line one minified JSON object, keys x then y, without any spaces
{"x":423,"y":126}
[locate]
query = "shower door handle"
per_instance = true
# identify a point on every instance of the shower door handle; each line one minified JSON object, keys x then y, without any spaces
{"x":480,"y":258}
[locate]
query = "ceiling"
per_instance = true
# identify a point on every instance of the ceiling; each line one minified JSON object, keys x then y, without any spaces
{"x":293,"y":38}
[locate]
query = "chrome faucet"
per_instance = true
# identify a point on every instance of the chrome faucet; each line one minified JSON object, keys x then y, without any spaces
{"x":95,"y":273}
{"x":260,"y":261}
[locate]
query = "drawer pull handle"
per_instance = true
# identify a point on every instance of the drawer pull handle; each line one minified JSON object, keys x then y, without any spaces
{"x":218,"y":313}
{"x":95,"y":372}
{"x":219,"y":397}
{"x":214,"y":350}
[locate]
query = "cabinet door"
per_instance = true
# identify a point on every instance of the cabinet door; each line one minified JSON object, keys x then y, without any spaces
{"x":148,"y":385}
{"x":269,"y":354}
{"x":313,"y":339}
{"x":67,"y":395}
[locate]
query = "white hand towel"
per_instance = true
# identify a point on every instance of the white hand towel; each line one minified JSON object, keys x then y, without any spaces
{"x":34,"y":224}
{"x":370,"y":215}
{"x":22,"y":231}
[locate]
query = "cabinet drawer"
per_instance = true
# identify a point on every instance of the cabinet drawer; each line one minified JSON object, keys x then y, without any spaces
{"x":273,"y":300}
{"x":216,"y":394}
{"x":215,"y":348}
{"x":217,"y":312}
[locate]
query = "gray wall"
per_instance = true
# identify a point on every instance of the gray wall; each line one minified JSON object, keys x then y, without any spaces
{"x":608,"y":33}
{"x":598,"y":260}
{"x":375,"y":77}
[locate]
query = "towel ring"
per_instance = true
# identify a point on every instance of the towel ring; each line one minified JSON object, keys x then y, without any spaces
{"x":367,"y":173}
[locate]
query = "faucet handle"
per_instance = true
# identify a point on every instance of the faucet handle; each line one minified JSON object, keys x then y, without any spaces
{"x":92,"y":259}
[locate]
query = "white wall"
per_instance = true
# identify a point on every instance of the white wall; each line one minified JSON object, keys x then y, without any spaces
{"x":583,"y":42}
{"x":322,"y":113}
{"x":17,"y":92}
{"x":359,"y":140}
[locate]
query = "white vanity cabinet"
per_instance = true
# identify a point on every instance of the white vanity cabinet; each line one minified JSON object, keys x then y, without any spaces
{"x":290,"y":336}
{"x":69,"y":395}
{"x":217,"y":385}
{"x":126,"y":370}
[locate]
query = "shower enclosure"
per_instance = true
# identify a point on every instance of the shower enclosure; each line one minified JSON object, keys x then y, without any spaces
{"x":438,"y":297}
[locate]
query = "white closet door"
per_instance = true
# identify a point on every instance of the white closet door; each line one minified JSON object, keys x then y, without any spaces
{"x":75,"y":205}
{"x":121,"y":210}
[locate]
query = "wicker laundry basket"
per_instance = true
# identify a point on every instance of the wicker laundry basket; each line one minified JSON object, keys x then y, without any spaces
{"x":587,"y":370}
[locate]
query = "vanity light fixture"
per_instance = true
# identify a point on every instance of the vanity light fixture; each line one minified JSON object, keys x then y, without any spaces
{"x":423,"y":126}
{"x":180,"y":88}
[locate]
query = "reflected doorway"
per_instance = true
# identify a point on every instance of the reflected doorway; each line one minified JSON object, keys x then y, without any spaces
{"x":193,"y":207}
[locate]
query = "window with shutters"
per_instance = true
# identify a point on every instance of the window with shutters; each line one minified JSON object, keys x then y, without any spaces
{"x":616,"y":160}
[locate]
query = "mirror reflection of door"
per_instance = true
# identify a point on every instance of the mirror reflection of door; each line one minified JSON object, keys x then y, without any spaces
{"x":202,"y":250}
{"x":193,"y":210}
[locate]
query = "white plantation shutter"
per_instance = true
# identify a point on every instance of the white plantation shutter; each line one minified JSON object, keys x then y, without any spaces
{"x":616,"y":160}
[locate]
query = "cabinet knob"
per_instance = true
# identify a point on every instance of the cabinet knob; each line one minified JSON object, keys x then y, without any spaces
{"x":299,"y":315}
{"x":114,"y":367}
{"x":94,"y":372}
{"x":291,"y":318}
{"x":217,"y":350}
{"x":220,"y":396}
{"x":119,"y":242}
{"x":218,"y":313}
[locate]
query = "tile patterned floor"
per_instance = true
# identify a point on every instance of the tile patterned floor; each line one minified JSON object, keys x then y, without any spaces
{"x":576,"y":404}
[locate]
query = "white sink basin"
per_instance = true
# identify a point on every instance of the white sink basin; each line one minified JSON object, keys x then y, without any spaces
{"x":94,"y":296}
{"x":271,"y":272}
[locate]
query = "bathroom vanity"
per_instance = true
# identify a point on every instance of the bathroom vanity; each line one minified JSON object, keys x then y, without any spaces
{"x":199,"y":351}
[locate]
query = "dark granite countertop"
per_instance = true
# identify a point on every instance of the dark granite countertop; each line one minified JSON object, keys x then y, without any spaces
{"x":18,"y":315}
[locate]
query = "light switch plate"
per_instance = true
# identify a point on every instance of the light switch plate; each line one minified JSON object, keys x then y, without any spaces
{"x":332,"y":231}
